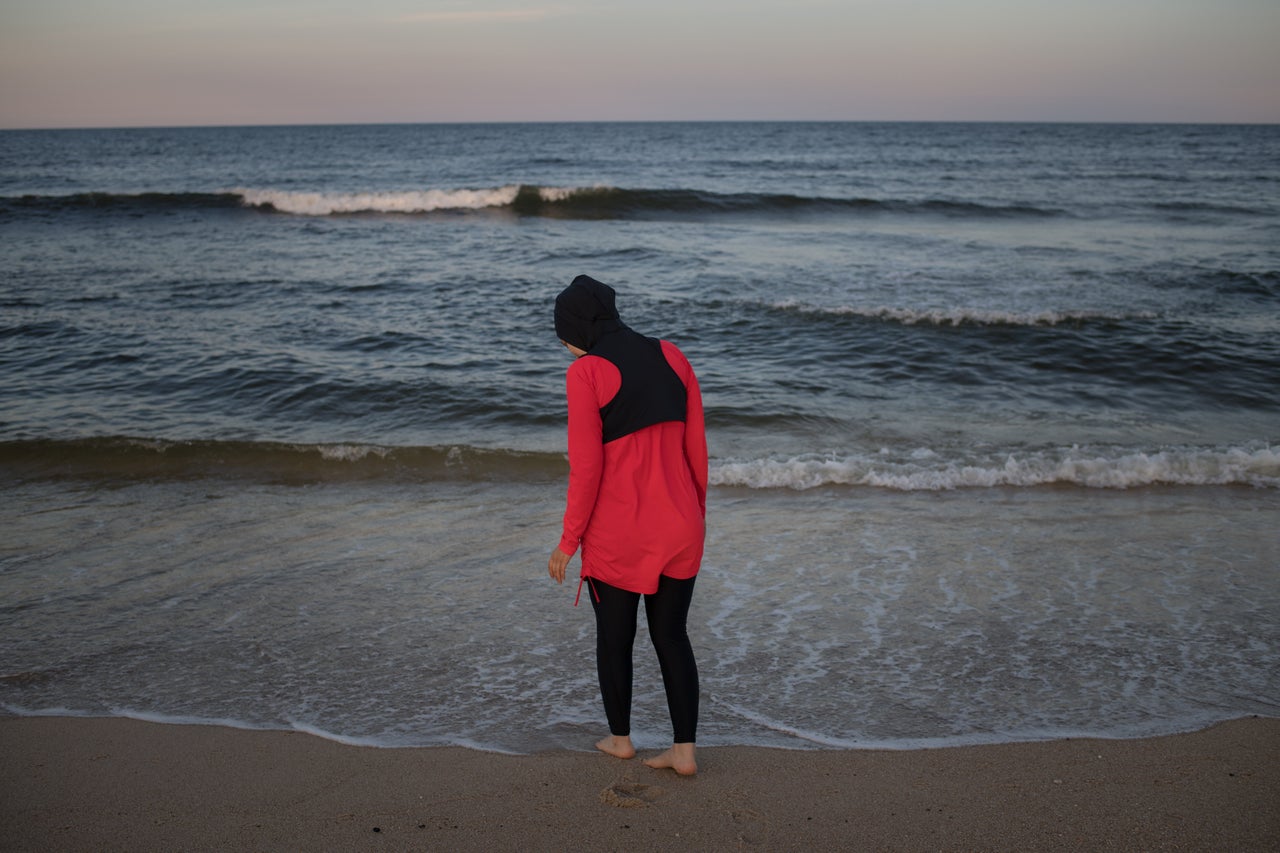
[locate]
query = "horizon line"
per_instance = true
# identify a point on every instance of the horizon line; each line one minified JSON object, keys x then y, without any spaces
{"x":415,"y":123}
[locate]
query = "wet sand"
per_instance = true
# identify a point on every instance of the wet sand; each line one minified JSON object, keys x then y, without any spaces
{"x":117,"y":784}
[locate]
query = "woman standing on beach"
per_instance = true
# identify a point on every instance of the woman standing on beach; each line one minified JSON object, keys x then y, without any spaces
{"x":637,"y":505}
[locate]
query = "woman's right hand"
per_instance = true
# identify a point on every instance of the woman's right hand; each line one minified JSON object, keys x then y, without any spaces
{"x":557,"y":564}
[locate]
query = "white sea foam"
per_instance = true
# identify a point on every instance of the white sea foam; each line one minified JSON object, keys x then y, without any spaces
{"x":807,"y":737}
{"x":826,"y":621}
{"x":413,"y":201}
{"x":926,"y":470}
{"x":780,"y":727}
{"x":349,"y":740}
{"x":351,"y":452}
{"x":183,"y":719}
{"x":958,"y":316}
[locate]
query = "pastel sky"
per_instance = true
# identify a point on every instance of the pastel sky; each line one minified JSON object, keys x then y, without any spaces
{"x":95,"y":63}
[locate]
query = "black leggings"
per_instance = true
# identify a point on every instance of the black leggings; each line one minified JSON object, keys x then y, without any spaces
{"x":667,"y":610}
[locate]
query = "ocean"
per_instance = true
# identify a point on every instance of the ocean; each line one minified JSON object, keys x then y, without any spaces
{"x":992,"y":414}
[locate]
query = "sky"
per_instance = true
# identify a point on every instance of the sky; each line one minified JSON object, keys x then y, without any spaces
{"x":110,"y":63}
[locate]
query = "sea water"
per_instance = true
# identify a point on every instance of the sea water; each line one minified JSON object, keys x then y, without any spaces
{"x":991,"y":411}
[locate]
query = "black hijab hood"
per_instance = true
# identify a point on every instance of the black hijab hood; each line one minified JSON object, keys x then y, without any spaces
{"x":585,"y":312}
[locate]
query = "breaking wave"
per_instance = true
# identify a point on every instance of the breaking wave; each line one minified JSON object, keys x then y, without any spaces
{"x":423,"y":201}
{"x":148,"y":459}
{"x":920,"y":469}
{"x":927,"y":470}
{"x":594,"y":202}
{"x":960,"y":316}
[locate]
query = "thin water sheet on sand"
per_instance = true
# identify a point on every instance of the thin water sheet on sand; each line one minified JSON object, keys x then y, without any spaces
{"x":421,"y":615}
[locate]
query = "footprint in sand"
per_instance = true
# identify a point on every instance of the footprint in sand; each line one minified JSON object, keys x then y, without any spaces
{"x":630,"y":795}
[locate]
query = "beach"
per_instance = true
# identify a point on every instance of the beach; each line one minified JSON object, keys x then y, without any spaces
{"x":994,"y":474}
{"x":119,"y":784}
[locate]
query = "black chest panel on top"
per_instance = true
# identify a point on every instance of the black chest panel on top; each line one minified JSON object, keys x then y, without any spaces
{"x":651,"y":392}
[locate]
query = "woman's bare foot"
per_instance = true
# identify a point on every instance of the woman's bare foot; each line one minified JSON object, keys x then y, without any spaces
{"x":619,"y":746}
{"x":679,"y":758}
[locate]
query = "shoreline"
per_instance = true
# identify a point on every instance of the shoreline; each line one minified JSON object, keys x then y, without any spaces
{"x":78,"y":783}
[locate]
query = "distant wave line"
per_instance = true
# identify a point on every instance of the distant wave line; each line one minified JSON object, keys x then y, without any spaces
{"x":569,"y":202}
{"x":960,"y":316}
{"x":418,"y":201}
{"x":925,"y":470}
{"x":133,"y":458}
{"x":600,"y":202}
{"x":918,"y":469}
{"x":581,"y":202}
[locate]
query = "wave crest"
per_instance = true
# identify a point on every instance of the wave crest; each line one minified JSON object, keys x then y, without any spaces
{"x":133,"y":458}
{"x":595,"y":202}
{"x":420,"y":201}
{"x":958,"y":316}
{"x":921,"y":469}
{"x":925,"y":470}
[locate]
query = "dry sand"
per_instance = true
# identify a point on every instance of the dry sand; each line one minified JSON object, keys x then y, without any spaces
{"x":115,"y":784}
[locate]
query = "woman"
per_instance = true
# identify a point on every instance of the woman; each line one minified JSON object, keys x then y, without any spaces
{"x":637,"y":505}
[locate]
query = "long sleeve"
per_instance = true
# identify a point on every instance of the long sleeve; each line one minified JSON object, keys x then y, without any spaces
{"x":695,"y":431}
{"x":586,"y":453}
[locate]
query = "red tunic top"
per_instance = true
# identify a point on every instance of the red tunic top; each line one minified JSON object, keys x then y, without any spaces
{"x":637,"y":505}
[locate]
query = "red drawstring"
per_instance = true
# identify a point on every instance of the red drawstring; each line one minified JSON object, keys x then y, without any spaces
{"x":579,"y":593}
